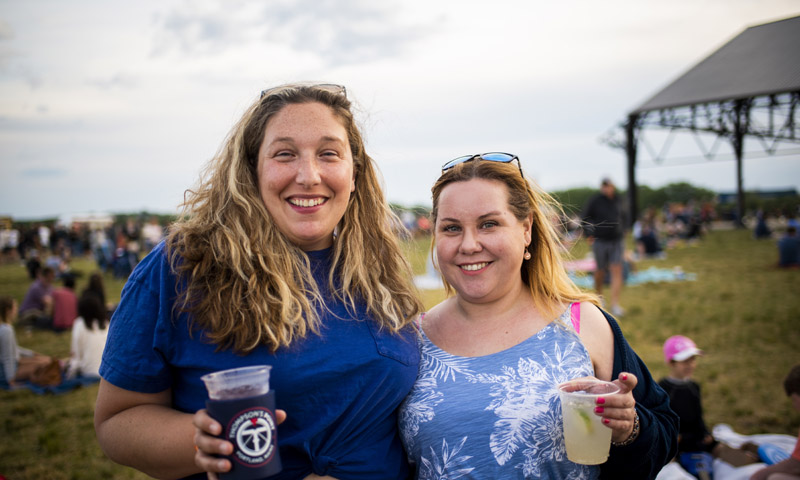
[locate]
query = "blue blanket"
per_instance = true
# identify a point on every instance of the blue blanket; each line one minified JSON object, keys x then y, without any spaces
{"x":650,"y":275}
{"x":63,"y":387}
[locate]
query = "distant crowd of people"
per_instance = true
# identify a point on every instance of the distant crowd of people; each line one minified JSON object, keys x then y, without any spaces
{"x":116,"y":247}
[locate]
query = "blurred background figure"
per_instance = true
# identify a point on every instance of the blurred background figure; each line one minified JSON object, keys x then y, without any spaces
{"x":789,"y":248}
{"x":604,"y":223}
{"x":65,"y":304}
{"x":89,"y":334}
{"x":37,"y":306}
{"x":152,"y":233}
{"x":17,"y":364}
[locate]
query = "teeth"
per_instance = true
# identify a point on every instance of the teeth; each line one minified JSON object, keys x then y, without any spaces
{"x":474,"y":266}
{"x":306,"y":202}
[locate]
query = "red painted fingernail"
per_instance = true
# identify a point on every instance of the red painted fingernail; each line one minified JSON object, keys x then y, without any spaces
{"x":599,"y":409}
{"x":601,"y":401}
{"x":606,"y":421}
{"x":624,"y":376}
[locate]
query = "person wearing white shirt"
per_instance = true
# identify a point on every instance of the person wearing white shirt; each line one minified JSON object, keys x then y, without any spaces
{"x":88,"y":337}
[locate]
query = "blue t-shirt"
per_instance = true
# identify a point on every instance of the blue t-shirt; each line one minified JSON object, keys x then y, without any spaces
{"x":340,"y":389}
{"x":789,"y":251}
{"x":495,"y":416}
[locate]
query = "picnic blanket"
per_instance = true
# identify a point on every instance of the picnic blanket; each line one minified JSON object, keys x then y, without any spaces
{"x":725,"y":471}
{"x":63,"y":387}
{"x":638,"y":277}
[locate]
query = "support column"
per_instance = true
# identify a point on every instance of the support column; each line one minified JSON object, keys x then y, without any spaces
{"x":630,"y":153}
{"x":740,"y":127}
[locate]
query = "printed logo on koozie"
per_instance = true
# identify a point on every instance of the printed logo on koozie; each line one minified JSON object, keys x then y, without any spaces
{"x":252,"y":432}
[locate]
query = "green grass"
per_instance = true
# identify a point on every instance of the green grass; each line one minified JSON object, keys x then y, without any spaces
{"x":741,"y":310}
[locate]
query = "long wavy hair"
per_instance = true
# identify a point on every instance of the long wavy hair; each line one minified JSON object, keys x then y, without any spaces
{"x":244,"y":283}
{"x":544,"y":273}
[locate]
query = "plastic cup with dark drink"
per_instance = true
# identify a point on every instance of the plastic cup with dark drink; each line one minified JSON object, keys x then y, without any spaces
{"x":240,"y":399}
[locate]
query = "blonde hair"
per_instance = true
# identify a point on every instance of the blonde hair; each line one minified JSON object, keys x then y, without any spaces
{"x":244,"y":282}
{"x":544,"y":273}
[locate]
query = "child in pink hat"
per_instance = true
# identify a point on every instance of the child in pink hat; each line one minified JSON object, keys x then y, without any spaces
{"x":681,"y":353}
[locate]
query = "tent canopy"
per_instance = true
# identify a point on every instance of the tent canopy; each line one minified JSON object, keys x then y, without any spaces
{"x":762,"y":60}
{"x":757,"y":71}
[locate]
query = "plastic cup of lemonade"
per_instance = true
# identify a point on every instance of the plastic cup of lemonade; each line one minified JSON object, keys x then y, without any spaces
{"x":586,"y":438}
{"x":240,"y":400}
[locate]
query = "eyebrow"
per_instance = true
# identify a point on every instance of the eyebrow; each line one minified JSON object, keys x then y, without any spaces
{"x":481,"y":217}
{"x":325,"y":138}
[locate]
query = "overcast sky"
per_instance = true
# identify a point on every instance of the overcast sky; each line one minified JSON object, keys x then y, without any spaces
{"x":116,"y":106}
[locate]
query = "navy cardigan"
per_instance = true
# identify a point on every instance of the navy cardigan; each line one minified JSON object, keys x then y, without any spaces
{"x":657,"y":442}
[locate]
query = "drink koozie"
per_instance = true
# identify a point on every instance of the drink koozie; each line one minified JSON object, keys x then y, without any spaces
{"x":249,"y":423}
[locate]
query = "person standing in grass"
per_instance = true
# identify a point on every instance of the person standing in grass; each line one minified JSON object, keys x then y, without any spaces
{"x":604,"y":222}
{"x":788,"y":469}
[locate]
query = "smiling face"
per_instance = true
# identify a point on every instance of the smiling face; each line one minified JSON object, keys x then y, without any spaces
{"x":479,"y":242}
{"x":306,"y":173}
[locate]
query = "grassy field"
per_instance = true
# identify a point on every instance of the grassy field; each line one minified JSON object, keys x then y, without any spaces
{"x":741,"y":310}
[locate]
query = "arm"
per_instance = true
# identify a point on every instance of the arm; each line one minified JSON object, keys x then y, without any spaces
{"x":587,"y":219}
{"x":790,"y":466}
{"x":7,"y":358}
{"x":657,"y":442}
{"x":598,"y":338}
{"x":48,"y":304}
{"x":142,"y":430}
{"x":75,"y":348}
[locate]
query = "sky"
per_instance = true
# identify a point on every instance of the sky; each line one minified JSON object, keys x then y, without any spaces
{"x":112,"y":106}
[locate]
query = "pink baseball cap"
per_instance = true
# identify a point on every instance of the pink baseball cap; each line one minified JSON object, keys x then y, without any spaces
{"x":680,"y":348}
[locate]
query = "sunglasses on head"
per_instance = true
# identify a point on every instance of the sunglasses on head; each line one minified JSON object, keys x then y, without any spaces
{"x":328,"y":87}
{"x":499,"y":157}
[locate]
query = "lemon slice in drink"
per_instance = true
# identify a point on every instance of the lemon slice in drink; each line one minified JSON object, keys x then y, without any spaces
{"x":587,"y":422}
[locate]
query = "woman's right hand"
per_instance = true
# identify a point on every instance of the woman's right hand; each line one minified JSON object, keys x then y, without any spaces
{"x":209,"y":446}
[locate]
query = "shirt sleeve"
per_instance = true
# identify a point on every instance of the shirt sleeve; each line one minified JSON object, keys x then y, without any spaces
{"x":131,"y":358}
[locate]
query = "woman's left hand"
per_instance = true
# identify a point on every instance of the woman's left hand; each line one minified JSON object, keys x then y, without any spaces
{"x":618,"y":410}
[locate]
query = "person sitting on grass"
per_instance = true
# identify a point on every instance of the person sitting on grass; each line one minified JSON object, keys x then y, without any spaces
{"x":17,"y":364}
{"x":37,"y":306}
{"x":788,"y":469}
{"x":89,"y":334}
{"x":681,"y":353}
{"x":789,"y":249}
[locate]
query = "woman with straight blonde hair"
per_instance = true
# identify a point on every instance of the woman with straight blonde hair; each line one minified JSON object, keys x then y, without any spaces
{"x":485,"y":403}
{"x":285,"y":256}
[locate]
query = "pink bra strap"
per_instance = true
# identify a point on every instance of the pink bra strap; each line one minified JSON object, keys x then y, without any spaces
{"x":575,"y":315}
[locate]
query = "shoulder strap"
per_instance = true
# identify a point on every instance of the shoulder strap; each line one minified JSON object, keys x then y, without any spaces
{"x":575,"y":315}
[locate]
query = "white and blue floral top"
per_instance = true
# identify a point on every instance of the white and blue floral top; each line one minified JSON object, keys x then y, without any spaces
{"x":495,"y":416}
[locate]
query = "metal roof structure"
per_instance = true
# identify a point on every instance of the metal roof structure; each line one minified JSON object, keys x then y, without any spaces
{"x":749,"y":87}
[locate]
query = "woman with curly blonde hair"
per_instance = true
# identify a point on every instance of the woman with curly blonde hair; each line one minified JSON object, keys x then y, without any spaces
{"x":285,"y":256}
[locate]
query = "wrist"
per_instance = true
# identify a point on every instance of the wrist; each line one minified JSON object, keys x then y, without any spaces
{"x":633,"y":435}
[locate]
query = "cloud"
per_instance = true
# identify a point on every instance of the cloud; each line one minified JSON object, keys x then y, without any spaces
{"x":118,"y":80}
{"x":6,"y":32}
{"x":43,"y":172}
{"x":337,"y":32}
